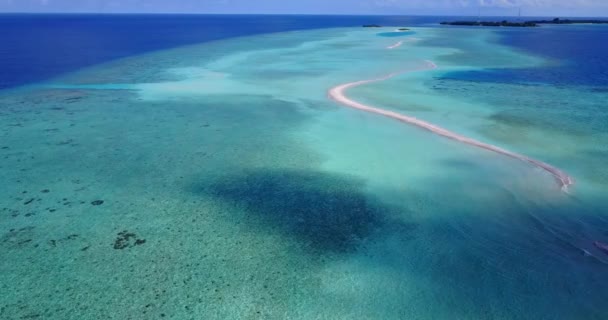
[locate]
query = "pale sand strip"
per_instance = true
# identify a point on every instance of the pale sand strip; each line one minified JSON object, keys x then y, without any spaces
{"x":396,"y":45}
{"x":338,"y":94}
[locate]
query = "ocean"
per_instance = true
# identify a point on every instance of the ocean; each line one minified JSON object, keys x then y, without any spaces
{"x":37,"y":47}
{"x":301,"y":167}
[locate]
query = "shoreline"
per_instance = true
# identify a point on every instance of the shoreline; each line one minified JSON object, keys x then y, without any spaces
{"x":338,"y":94}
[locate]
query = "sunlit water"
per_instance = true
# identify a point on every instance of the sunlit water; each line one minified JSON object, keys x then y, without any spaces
{"x":218,"y":181}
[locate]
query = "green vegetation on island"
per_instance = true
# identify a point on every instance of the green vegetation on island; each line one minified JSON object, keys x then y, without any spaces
{"x":503,"y":23}
{"x":569,"y":21}
{"x":525,"y":24}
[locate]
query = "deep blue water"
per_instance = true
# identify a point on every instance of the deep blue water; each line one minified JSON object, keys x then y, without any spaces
{"x":578,"y":54}
{"x":37,"y":47}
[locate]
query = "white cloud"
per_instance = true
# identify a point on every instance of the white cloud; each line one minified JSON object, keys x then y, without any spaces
{"x":497,"y":7}
{"x":493,"y":3}
{"x":431,"y":7}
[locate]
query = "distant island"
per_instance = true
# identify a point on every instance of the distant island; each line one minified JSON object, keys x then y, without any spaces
{"x":503,"y":23}
{"x":568,"y":21}
{"x":379,"y":26}
{"x":525,"y":24}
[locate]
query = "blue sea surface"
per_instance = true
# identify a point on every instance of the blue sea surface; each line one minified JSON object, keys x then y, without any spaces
{"x":36,"y":47}
{"x":195,"y":167}
{"x":39,"y":46}
{"x":577,"y":55}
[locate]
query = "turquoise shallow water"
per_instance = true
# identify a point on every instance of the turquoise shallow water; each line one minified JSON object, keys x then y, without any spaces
{"x":219,"y":181}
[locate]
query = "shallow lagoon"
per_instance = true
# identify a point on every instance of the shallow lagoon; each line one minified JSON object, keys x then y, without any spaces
{"x":232,"y":187}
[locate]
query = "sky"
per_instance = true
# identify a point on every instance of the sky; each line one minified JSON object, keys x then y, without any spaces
{"x":562,"y":8}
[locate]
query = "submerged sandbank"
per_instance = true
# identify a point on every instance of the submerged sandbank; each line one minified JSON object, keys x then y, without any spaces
{"x":338,"y":94}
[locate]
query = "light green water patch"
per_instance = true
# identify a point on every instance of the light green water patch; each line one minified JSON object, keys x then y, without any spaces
{"x":395,"y":34}
{"x":528,"y":122}
{"x":411,"y":89}
{"x":564,"y":125}
{"x":200,"y":246}
{"x":72,"y":258}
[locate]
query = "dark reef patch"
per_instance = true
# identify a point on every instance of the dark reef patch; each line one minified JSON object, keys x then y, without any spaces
{"x":54,"y":243}
{"x":17,"y":238}
{"x":127,"y":239}
{"x":325,"y":212}
{"x":518,"y":119}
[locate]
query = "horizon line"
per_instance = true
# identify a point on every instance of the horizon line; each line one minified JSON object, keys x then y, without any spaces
{"x":278,"y":14}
